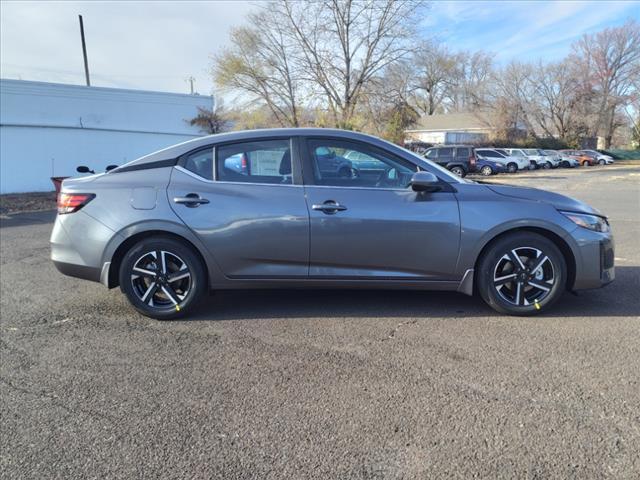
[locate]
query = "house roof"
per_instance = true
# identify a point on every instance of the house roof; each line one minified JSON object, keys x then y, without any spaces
{"x":454,"y":121}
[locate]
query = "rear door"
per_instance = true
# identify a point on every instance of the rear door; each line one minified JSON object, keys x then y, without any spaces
{"x":245,"y":200}
{"x":372,"y":225}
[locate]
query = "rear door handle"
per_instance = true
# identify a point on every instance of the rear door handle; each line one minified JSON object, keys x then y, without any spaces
{"x":329,"y":207}
{"x":190,"y":200}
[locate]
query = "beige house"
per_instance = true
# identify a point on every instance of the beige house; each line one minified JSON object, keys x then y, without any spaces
{"x":452,"y":128}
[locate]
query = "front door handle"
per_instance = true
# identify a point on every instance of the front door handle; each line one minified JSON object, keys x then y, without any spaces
{"x":329,"y":207}
{"x":190,"y":200}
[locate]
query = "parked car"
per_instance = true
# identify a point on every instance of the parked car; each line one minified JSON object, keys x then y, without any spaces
{"x":512,"y":164}
{"x":540,"y":159}
{"x":584,"y":160}
{"x":460,"y":159}
{"x":563,"y":159}
{"x":519,"y":152}
{"x":599,"y":158}
{"x":170,"y":226}
{"x":488,"y":167}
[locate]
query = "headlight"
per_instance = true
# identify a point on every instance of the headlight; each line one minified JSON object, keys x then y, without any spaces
{"x":592,"y":222}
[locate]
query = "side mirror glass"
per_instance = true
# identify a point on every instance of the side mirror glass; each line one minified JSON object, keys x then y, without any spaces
{"x":84,"y":169}
{"x":425,"y":182}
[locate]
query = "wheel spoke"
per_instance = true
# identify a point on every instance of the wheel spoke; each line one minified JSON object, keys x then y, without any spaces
{"x":541,"y":286}
{"x":538,"y":263}
{"x":519,"y":293}
{"x":515,"y":259}
{"x":178,"y":276}
{"x":151,"y":291}
{"x":144,"y":272}
{"x":169,"y":292}
{"x":502,"y":280}
{"x":162,"y":260}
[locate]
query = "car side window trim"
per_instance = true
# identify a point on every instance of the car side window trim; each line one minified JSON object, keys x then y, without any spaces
{"x":296,"y":168}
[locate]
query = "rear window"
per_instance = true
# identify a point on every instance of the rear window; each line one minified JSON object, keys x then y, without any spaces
{"x":489,"y":153}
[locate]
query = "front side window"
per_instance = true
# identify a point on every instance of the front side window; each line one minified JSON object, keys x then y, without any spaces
{"x":351,"y":164}
{"x":256,"y":161}
{"x":200,"y":163}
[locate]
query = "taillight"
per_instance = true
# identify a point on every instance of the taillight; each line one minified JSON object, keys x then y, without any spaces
{"x":244,"y":164}
{"x":472,"y":161}
{"x":72,"y":202}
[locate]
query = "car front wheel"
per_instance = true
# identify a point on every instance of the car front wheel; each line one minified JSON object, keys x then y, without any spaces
{"x":486,"y":171}
{"x":602,"y":162}
{"x":162,"y":278}
{"x":458,"y":171}
{"x":522,"y":274}
{"x":512,"y":168}
{"x":546,"y":165}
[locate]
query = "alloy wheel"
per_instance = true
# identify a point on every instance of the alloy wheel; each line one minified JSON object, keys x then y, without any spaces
{"x":486,"y":171}
{"x":524,"y":276}
{"x":161,"y":279}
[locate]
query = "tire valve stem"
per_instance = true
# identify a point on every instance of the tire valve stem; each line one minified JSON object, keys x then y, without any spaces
{"x":535,"y":302}
{"x":178,"y":308}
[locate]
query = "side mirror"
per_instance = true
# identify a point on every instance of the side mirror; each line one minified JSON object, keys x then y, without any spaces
{"x":425,"y":182}
{"x":110,"y":167}
{"x":84,"y":169}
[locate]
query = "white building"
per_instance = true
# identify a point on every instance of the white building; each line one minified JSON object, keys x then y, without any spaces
{"x":48,"y":129}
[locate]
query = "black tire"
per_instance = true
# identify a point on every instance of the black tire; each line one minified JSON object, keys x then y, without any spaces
{"x":586,"y":164}
{"x":163,"y":299}
{"x":508,"y":298}
{"x":512,"y":167}
{"x":546,"y":165}
{"x":458,"y":170}
{"x":602,"y":162}
{"x":486,"y":171}
{"x":565,"y":164}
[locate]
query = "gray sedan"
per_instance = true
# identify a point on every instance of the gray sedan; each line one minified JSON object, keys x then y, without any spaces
{"x":175,"y":224}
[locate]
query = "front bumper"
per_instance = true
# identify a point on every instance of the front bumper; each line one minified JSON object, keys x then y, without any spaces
{"x":595,"y":259}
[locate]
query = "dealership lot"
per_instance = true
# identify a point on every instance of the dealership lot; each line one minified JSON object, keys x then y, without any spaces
{"x":323,"y":384}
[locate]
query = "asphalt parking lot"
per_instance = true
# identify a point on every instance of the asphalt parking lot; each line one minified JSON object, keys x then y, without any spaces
{"x":322,"y":384}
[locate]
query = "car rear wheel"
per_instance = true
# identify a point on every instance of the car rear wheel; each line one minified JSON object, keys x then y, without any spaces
{"x":487,"y":171}
{"x":458,"y":171}
{"x":162,"y":278}
{"x":512,"y":168}
{"x":586,"y":164}
{"x":522,"y":274}
{"x":546,"y":165}
{"x":602,"y":162}
{"x":565,"y":164}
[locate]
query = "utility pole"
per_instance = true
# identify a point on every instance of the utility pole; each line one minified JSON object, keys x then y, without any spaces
{"x":84,"y":52}
{"x":190,"y":79}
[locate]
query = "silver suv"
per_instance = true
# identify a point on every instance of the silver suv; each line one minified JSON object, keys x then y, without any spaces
{"x":258,"y":209}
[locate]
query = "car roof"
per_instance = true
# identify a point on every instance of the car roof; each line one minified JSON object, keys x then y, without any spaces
{"x":175,"y":151}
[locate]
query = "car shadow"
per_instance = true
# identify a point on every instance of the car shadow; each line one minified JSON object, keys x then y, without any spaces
{"x":615,"y":300}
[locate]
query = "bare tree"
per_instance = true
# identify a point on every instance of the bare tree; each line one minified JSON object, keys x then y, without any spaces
{"x":344,"y":44}
{"x":610,"y":60}
{"x":436,"y":76}
{"x":261,"y":65}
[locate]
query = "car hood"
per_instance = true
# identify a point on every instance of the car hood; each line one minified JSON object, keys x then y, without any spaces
{"x":560,"y":202}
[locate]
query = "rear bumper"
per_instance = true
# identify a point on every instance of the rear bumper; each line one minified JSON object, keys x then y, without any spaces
{"x":78,"y":242}
{"x":78,"y":271}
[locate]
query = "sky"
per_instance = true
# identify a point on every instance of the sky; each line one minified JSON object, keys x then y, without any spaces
{"x":158,"y":45}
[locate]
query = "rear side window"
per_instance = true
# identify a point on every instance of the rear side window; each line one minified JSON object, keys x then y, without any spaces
{"x":462,"y":153}
{"x":489,"y":153}
{"x":445,"y":153}
{"x":200,"y":163}
{"x":257,"y":161}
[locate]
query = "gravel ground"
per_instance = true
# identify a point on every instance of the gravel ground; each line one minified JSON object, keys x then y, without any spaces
{"x":27,"y":202}
{"x":322,"y":384}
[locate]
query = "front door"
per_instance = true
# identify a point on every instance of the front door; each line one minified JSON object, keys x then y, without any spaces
{"x":246,"y":202}
{"x":370,"y":224}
